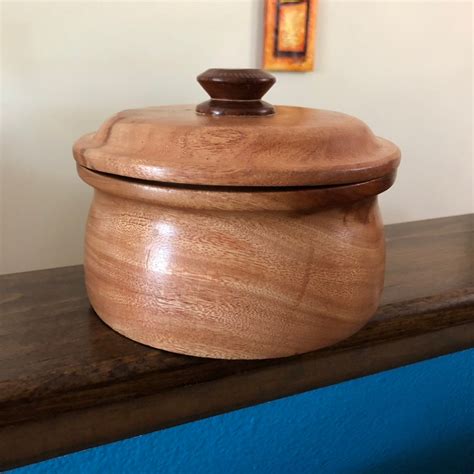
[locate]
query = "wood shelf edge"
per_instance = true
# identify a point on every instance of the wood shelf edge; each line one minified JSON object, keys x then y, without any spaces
{"x":77,"y":429}
{"x":90,"y":386}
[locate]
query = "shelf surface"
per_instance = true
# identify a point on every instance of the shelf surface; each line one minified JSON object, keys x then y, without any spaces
{"x":68,"y":382}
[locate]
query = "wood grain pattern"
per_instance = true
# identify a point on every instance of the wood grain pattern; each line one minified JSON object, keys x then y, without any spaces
{"x":65,"y":373}
{"x":240,"y":275}
{"x":243,"y":273}
{"x":295,"y":147}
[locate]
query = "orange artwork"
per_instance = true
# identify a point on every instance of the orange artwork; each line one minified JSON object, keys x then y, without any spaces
{"x":290,"y":27}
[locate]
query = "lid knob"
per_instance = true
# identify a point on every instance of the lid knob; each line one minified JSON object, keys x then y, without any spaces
{"x":235,"y":92}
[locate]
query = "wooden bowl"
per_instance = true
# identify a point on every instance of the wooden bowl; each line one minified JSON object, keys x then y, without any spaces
{"x":233,"y":270}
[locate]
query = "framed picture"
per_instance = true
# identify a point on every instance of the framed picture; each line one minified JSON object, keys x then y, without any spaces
{"x":289,"y":39}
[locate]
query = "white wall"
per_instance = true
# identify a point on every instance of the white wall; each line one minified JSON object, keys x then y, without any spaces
{"x":403,"y":67}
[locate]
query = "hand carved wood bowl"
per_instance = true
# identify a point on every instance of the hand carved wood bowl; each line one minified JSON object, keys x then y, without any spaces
{"x":240,"y":230}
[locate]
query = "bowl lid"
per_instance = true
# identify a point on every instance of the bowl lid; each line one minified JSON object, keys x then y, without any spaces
{"x":236,"y":139}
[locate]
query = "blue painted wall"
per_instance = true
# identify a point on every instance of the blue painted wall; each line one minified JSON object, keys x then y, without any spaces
{"x":412,"y":420}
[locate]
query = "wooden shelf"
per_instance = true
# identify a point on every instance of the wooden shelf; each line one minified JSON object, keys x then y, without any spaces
{"x":68,"y":382}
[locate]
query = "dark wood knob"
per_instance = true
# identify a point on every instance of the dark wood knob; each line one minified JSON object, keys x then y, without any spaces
{"x":235,"y":92}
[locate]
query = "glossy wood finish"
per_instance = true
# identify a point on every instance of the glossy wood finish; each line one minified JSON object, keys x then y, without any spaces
{"x":243,"y":273}
{"x":235,"y":92}
{"x":295,"y":147}
{"x":229,"y":198}
{"x":233,"y":274}
{"x":68,"y":382}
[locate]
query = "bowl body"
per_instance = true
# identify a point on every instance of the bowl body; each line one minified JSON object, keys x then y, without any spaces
{"x":233,"y":273}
